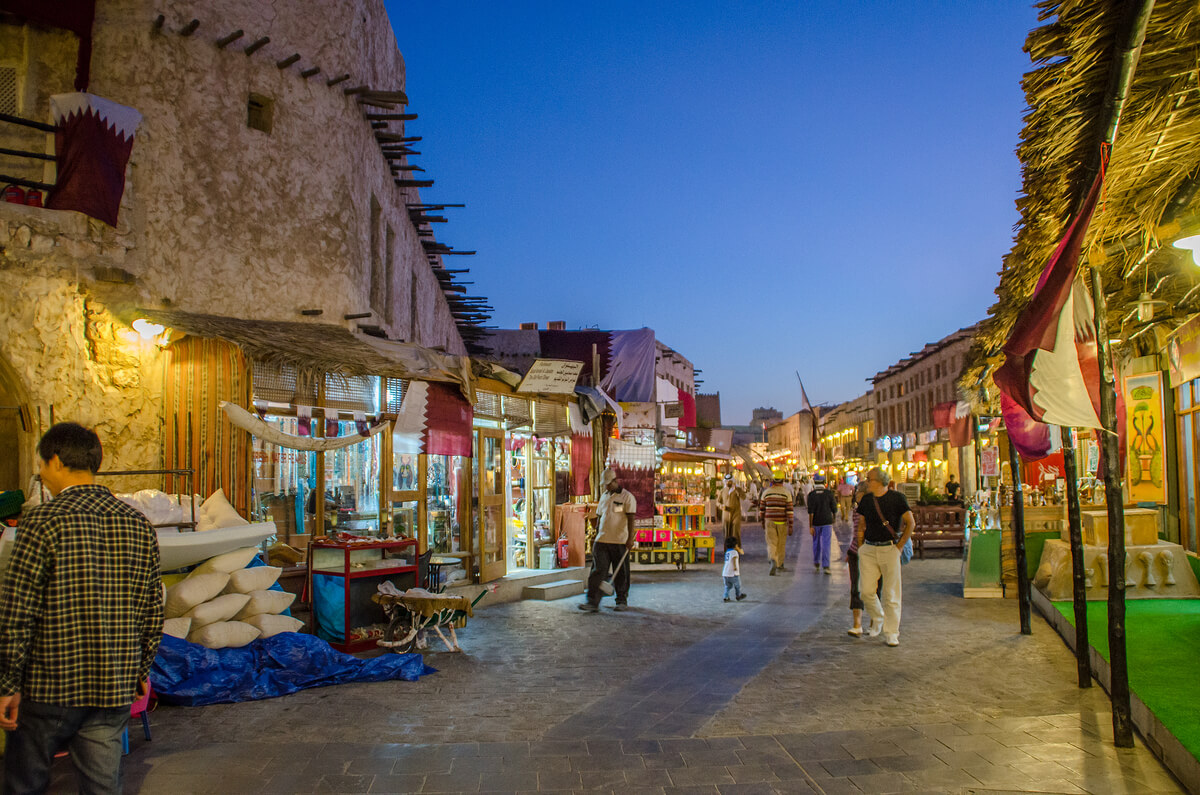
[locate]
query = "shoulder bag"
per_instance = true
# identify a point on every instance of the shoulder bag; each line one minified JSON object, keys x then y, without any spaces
{"x":906,"y":552}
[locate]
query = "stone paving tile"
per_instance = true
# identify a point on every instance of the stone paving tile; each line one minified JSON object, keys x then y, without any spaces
{"x":883,"y":782}
{"x":402,"y":783}
{"x":686,"y":776}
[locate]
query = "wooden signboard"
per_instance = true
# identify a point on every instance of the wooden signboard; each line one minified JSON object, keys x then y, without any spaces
{"x":554,"y":376}
{"x":672,"y":410}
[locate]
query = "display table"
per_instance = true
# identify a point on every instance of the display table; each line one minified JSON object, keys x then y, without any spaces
{"x":981,"y":564}
{"x":349,"y":572}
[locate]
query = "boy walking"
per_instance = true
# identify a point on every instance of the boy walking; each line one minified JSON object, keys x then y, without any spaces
{"x":732,"y":573}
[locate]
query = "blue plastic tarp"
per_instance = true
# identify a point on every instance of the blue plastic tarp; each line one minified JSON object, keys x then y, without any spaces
{"x":191,"y":675}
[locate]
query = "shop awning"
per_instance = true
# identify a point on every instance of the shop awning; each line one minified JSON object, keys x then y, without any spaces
{"x":323,"y":348}
{"x":753,"y":465}
{"x":675,"y":454}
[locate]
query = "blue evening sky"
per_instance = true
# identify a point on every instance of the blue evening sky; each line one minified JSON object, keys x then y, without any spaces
{"x":772,"y":186}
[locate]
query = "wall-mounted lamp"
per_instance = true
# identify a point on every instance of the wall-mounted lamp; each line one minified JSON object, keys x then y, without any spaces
{"x":152,"y":332}
{"x":1192,"y":244}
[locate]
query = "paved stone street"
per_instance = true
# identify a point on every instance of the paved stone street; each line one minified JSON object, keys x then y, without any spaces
{"x":686,"y":693}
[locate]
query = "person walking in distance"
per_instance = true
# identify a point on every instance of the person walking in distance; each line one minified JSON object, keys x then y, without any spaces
{"x":845,"y":495}
{"x":822,"y":507}
{"x":732,"y":573}
{"x":731,"y":509}
{"x":884,"y":525}
{"x":614,"y":538}
{"x":81,"y":616}
{"x":775,"y":507}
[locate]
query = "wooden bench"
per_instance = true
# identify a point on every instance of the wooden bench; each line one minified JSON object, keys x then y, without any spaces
{"x":938,"y":526}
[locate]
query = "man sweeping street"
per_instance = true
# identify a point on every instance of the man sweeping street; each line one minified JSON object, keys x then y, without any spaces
{"x":81,"y":618}
{"x":614,"y":538}
{"x":775,"y":506}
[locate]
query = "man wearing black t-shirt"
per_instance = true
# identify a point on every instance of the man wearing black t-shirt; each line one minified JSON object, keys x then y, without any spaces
{"x":884,"y":524}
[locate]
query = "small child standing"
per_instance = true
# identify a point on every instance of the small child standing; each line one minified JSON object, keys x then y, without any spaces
{"x":732,"y":573}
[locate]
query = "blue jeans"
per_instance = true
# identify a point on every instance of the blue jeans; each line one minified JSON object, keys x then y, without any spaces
{"x":92,"y":735}
{"x":822,"y":535}
{"x":734,"y":583}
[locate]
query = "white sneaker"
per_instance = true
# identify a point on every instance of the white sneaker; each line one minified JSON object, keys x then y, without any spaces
{"x":855,"y":631}
{"x":892,"y":640}
{"x":874,"y":629}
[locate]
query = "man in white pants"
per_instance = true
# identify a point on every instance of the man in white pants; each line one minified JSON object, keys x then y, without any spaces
{"x":884,"y":524}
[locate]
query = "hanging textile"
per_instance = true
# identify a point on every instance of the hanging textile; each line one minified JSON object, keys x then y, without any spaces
{"x":269,"y":433}
{"x":202,"y":373}
{"x":435,"y":418}
{"x":635,"y":466}
{"x":581,"y":452}
{"x":93,"y":142}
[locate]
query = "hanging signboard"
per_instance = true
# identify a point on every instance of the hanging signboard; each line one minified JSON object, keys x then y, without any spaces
{"x":1093,"y":455}
{"x":989,"y":462}
{"x":1183,"y":352}
{"x":672,"y":411}
{"x":1146,"y":461}
{"x":553,"y":376}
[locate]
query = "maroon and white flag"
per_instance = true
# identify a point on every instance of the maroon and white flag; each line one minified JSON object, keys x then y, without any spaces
{"x":93,"y":142}
{"x":435,"y":418}
{"x":1050,"y":368}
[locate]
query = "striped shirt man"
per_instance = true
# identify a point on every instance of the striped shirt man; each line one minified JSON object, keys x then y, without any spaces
{"x":776,"y":505}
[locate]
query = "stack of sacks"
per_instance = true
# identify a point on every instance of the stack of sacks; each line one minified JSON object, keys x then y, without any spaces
{"x":216,"y":512}
{"x":161,"y":509}
{"x":223,"y":604}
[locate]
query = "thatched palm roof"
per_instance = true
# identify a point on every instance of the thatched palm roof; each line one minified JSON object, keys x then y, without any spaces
{"x":1150,"y":177}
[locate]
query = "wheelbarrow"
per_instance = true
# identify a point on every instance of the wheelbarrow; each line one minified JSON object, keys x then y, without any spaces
{"x":413,"y":613}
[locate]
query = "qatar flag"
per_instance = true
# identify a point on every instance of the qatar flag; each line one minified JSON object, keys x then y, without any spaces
{"x":1050,"y":368}
{"x":434,"y":418}
{"x":93,"y":141}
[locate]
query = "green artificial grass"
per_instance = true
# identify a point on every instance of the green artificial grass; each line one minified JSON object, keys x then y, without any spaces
{"x":1162,"y":642}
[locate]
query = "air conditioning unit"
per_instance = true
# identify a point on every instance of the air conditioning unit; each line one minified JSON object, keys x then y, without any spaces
{"x":911,"y":491}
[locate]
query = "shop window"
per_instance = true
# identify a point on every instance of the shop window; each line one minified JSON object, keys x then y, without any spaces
{"x":284,"y":483}
{"x":260,"y":113}
{"x":375,"y":261}
{"x":352,"y":485}
{"x":8,"y":90}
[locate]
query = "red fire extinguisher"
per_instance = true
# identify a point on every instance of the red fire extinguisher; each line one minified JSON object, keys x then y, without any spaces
{"x":33,"y":198}
{"x":14,"y":194}
{"x":562,"y":552}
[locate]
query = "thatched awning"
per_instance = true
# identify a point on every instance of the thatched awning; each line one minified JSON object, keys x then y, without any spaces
{"x":322,"y":348}
{"x":1150,"y":178}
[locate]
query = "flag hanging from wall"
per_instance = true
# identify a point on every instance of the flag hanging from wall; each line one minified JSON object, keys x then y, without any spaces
{"x":581,"y":452}
{"x":1050,"y":368}
{"x":435,"y":418}
{"x":93,"y":143}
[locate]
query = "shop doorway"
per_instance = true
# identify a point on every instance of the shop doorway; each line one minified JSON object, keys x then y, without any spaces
{"x":490,"y":518}
{"x":16,"y":431}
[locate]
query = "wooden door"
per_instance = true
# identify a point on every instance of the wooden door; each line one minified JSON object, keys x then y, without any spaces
{"x":491,"y":527}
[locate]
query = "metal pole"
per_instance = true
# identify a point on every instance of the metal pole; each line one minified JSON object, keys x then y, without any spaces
{"x":1114,"y":500}
{"x":1024,"y":596}
{"x":1078,"y":577}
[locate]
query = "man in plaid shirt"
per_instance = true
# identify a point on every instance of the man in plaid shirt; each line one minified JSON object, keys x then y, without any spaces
{"x":81,"y":617}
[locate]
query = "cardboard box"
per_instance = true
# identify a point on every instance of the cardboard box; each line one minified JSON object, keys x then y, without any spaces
{"x":1141,"y":527}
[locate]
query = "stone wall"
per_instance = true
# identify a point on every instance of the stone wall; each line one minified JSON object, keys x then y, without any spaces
{"x":73,"y":356}
{"x":225,"y":219}
{"x":217,"y":217}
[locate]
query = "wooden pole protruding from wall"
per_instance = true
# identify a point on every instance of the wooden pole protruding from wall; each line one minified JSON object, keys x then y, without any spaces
{"x":230,"y":38}
{"x":189,"y":28}
{"x":257,"y":45}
